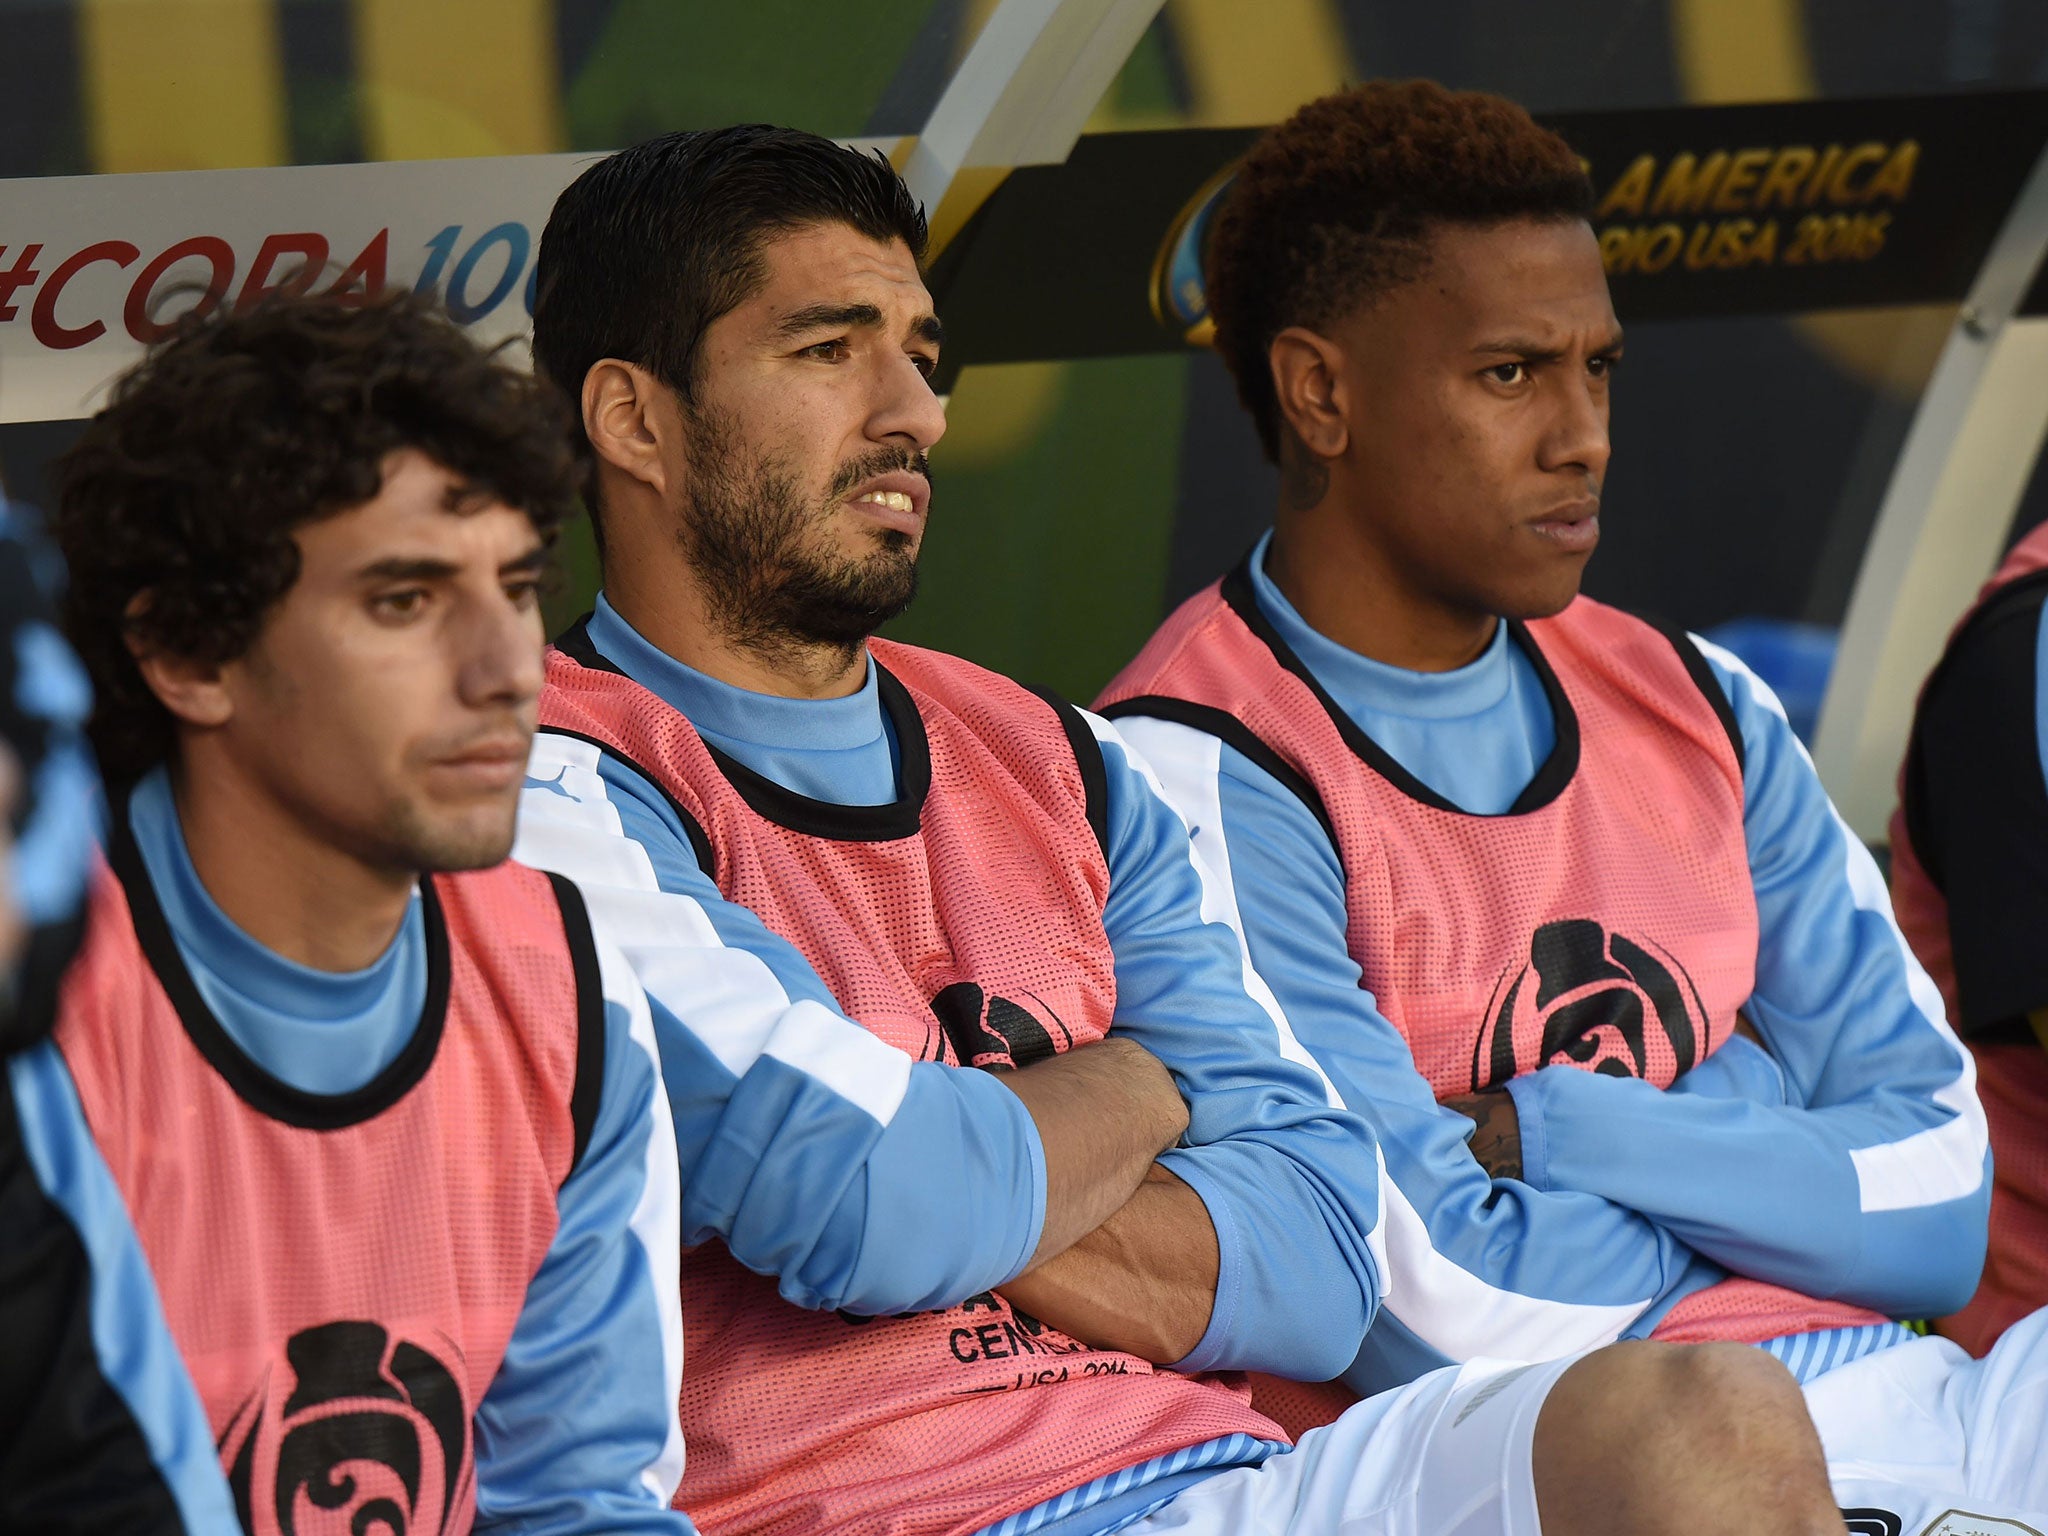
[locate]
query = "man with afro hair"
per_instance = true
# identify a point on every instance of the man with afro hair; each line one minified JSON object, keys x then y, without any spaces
{"x":1552,"y":893}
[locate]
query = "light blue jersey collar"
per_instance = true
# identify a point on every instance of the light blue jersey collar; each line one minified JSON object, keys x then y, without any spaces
{"x":324,"y":1032}
{"x":836,"y":750}
{"x":1476,"y":735}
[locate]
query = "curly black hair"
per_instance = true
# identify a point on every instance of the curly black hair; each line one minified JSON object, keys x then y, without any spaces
{"x":1335,"y":206}
{"x":242,"y":428}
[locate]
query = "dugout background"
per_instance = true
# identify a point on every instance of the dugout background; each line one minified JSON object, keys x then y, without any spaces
{"x":1076,"y":500}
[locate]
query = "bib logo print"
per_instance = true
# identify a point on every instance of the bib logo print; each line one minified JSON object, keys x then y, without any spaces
{"x":361,"y":1435}
{"x":1594,"y":999}
{"x":987,"y":1031}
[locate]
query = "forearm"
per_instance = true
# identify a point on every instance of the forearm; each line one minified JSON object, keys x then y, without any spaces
{"x":1103,"y":1112}
{"x":1143,"y":1282}
{"x":1771,"y":1191}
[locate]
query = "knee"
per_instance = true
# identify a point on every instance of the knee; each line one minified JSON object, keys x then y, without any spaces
{"x":1680,"y":1437}
{"x":1726,"y":1404}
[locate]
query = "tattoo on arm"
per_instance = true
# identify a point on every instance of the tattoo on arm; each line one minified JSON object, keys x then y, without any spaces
{"x":1497,"y":1143}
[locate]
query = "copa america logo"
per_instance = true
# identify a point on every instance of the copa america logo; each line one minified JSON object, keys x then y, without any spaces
{"x":1180,"y":297}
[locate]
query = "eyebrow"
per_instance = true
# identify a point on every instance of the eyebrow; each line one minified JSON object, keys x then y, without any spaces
{"x":427,"y":568}
{"x":1537,"y":352}
{"x":819,"y":317}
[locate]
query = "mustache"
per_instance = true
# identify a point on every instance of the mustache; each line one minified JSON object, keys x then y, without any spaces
{"x":882,"y":461}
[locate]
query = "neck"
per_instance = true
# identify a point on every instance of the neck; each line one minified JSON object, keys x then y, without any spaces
{"x":664,"y":602}
{"x":1347,"y":589}
{"x":292,"y":891}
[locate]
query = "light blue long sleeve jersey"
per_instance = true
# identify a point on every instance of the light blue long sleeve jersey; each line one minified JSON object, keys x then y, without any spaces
{"x":1290,"y":1182}
{"x":1848,"y":1161}
{"x":578,"y":1432}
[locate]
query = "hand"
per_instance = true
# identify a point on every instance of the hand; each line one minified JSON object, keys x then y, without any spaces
{"x":1497,"y":1143}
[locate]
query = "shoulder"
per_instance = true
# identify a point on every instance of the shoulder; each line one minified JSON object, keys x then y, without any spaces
{"x":1187,"y":631}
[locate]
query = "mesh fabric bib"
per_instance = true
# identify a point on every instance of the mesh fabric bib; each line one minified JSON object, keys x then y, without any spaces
{"x":963,"y":924}
{"x":1604,"y":921}
{"x":341,"y":1273}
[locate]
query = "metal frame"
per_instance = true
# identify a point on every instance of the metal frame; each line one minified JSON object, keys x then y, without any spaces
{"x":1941,"y":526}
{"x":1020,"y":97}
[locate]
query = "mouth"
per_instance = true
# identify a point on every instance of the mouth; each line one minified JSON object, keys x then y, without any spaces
{"x":1572,"y":529}
{"x":897,"y":501}
{"x":488,"y":766}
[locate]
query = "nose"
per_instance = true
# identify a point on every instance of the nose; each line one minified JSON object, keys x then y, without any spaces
{"x":906,"y":409}
{"x":1578,"y":436}
{"x":501,"y":662}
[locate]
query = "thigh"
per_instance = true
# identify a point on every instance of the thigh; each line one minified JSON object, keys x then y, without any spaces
{"x":1923,"y":1432}
{"x":1447,"y":1455}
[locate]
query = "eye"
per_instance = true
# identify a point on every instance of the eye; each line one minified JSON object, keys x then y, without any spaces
{"x":1508,"y":374}
{"x":925,"y":363}
{"x":1604,"y":365}
{"x":833,"y":351}
{"x":524,"y":593}
{"x":399,"y":607}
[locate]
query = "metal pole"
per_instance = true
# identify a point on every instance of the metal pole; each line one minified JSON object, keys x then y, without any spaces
{"x":1020,"y":97}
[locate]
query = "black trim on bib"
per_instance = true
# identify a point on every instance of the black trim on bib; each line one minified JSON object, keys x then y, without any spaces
{"x":253,"y":1085}
{"x":1088,"y":759}
{"x":1550,"y":779}
{"x":588,"y":1093}
{"x":700,"y":843}
{"x":574,"y":642}
{"x":1703,"y":678}
{"x":899,"y":818}
{"x":1233,"y":733}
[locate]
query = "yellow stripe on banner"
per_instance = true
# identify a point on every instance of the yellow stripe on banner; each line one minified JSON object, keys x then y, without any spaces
{"x":1742,"y":50}
{"x":447,"y":78}
{"x":182,"y":85}
{"x":1249,"y":65}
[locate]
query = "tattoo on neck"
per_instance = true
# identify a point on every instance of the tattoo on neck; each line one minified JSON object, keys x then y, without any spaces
{"x":1304,"y":478}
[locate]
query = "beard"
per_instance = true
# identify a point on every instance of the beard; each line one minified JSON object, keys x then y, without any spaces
{"x":762,"y":552}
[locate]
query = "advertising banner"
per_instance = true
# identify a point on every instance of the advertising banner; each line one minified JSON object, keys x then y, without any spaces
{"x":1769,"y":209}
{"x":92,"y":268}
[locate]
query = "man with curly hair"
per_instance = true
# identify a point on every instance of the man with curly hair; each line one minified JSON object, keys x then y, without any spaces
{"x":384,"y":1111}
{"x":990,"y":883}
{"x":1551,"y":893}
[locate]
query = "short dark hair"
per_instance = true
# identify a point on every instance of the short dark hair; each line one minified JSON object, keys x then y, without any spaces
{"x":1335,"y":206}
{"x":650,"y":246}
{"x":239,"y":430}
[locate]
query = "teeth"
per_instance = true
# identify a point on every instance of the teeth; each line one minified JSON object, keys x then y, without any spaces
{"x":896,"y":501}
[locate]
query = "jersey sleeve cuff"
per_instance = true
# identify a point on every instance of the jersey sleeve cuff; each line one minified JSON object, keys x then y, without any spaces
{"x":1219,"y":1347}
{"x":1533,"y":1129}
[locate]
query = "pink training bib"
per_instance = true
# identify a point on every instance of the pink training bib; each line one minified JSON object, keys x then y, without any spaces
{"x":1606,"y":921}
{"x":341,"y":1273}
{"x":961,"y":924}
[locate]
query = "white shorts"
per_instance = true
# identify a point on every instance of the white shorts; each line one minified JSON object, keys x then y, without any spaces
{"x":1446,"y":1455}
{"x":1924,"y":1441}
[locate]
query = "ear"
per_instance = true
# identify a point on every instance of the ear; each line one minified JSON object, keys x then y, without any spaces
{"x":624,"y":419}
{"x":1308,"y":377}
{"x":195,"y":692}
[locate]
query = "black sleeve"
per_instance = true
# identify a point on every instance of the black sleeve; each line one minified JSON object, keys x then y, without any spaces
{"x":72,"y":1457}
{"x":33,"y":735}
{"x":1978,"y":805}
